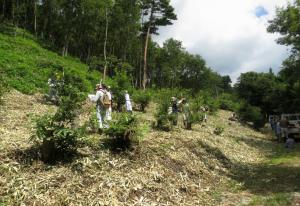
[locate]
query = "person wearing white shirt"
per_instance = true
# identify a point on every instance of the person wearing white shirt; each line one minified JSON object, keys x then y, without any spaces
{"x":109,"y":110}
{"x":101,"y":112}
{"x":128,"y":102}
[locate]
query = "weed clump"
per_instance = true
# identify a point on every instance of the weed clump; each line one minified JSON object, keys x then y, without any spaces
{"x":219,"y":130}
{"x":57,"y":135}
{"x":164,"y":119}
{"x":125,"y":132}
{"x":141,"y":98}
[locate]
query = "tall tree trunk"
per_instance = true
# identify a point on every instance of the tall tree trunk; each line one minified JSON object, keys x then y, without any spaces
{"x":89,"y":53}
{"x":145,"y":58}
{"x":34,"y":26}
{"x":105,"y":42}
{"x":3,"y":8}
{"x":65,"y":47}
{"x":13,"y":12}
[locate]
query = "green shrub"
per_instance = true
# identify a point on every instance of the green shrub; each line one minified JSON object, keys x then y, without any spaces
{"x":252,"y":114}
{"x":141,"y":98}
{"x":204,"y":99}
{"x":93,"y":123}
{"x":57,"y":135}
{"x":218,"y":130}
{"x":160,"y":95}
{"x":125,"y":131}
{"x":165,"y":121}
{"x":229,"y":102}
{"x":119,"y":83}
{"x":197,"y":117}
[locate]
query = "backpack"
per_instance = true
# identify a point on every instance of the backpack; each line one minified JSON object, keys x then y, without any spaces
{"x":105,"y":101}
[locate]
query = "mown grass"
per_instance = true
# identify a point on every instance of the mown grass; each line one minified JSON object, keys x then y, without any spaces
{"x":284,"y":156}
{"x":27,"y":66}
{"x":274,"y":181}
{"x":279,"y":199}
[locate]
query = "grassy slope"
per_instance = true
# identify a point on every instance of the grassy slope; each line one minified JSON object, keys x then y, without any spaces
{"x":239,"y":167}
{"x":27,"y":65}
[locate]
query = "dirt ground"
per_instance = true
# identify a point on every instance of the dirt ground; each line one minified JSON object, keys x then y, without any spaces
{"x":180,"y":167}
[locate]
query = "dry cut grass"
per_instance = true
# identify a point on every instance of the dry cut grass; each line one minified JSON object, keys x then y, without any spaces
{"x":181,"y":167}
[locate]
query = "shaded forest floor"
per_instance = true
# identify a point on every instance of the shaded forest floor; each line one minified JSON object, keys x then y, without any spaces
{"x":239,"y":167}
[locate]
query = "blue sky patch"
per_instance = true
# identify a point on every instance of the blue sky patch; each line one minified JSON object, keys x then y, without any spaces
{"x":260,"y":11}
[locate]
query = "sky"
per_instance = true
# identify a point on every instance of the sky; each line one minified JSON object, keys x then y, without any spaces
{"x":230,"y":35}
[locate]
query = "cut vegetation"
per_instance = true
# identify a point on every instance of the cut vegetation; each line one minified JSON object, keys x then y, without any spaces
{"x":238,"y":167}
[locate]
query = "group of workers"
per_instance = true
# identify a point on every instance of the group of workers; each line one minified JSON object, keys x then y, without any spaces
{"x":182,"y":105}
{"x":280,"y":127}
{"x":103,"y":100}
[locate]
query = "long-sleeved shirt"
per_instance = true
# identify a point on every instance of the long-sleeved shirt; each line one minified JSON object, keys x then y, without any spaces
{"x":95,"y":98}
{"x":127,"y":98}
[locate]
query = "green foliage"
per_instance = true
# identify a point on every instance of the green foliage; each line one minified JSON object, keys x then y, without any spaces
{"x":219,"y":130}
{"x":204,"y":99}
{"x":258,"y":90}
{"x":196,"y":117}
{"x":142,"y":98}
{"x":27,"y":66}
{"x":165,"y":121}
{"x":3,"y":87}
{"x":287,"y":24}
{"x":58,"y":135}
{"x":93,"y":123}
{"x":163,"y":95}
{"x":125,"y":131}
{"x":119,"y":84}
{"x":252,"y":114}
{"x":229,"y":102}
{"x":277,"y":199}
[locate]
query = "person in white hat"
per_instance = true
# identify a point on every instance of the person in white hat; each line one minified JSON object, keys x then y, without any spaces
{"x":101,"y":111}
{"x":128,"y":102}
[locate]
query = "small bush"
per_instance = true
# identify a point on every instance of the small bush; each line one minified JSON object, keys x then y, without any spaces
{"x":93,"y":123}
{"x":228,"y":102}
{"x":219,"y":130}
{"x":252,"y":114}
{"x":165,"y":121}
{"x":119,"y":83}
{"x":57,"y":135}
{"x":205,"y":99}
{"x":197,"y":117}
{"x":125,"y":131}
{"x":141,"y":98}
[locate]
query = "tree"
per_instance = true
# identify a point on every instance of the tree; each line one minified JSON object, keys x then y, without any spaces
{"x":260,"y":90}
{"x":158,"y":13}
{"x":287,"y":23}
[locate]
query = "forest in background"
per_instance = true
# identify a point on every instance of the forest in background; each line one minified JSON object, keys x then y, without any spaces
{"x":113,"y":36}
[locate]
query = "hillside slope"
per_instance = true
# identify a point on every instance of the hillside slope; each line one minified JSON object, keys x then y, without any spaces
{"x":27,"y":65}
{"x":178,"y":168}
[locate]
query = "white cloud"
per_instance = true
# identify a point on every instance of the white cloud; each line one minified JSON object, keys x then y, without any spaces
{"x":228,"y":34}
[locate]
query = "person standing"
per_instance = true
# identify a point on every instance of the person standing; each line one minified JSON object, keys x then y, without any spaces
{"x":278,"y":130}
{"x":128,"y":102}
{"x":52,"y":82}
{"x":109,"y":110}
{"x":186,"y":114}
{"x":284,"y":124}
{"x":174,"y":110}
{"x":100,"y":110}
